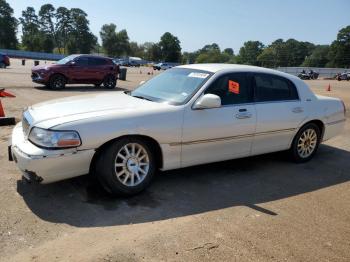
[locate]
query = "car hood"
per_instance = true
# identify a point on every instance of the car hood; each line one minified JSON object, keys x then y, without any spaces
{"x":44,"y":67}
{"x":59,"y":111}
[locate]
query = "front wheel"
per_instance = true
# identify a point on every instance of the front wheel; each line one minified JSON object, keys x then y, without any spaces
{"x":305,"y":143}
{"x":110,"y":82}
{"x":57,"y":82}
{"x":126,"y":167}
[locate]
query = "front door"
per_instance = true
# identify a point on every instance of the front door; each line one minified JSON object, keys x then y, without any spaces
{"x":223,"y":133}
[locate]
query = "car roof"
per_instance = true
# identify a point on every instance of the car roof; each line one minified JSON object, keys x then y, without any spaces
{"x":214,"y":68}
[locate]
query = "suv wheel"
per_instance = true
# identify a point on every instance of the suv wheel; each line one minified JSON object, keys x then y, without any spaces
{"x":110,"y":82}
{"x":57,"y":82}
{"x":126,"y":167}
{"x":305,"y":143}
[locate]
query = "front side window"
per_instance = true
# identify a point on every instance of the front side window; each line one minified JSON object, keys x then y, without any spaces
{"x":232,"y":88}
{"x":273,"y":88}
{"x":66,"y":60}
{"x":175,"y":86}
{"x":81,"y":61}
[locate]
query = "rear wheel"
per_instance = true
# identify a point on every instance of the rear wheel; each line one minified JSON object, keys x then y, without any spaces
{"x":126,"y":167}
{"x":110,"y":82}
{"x":57,"y":82}
{"x":305,"y":143}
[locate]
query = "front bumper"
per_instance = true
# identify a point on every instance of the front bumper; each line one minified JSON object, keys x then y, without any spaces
{"x":40,"y":79}
{"x":47,"y":166}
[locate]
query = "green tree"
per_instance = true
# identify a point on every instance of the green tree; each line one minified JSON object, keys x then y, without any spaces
{"x":63,"y":28}
{"x":156,"y":52}
{"x":47,"y":27}
{"x":267,"y":58}
{"x":318,"y":58}
{"x":81,"y":40}
{"x":339,"y":54}
{"x":136,"y":50}
{"x":109,"y":38}
{"x":170,"y":48}
{"x":122,"y":44}
{"x":228,"y":51}
{"x":249,"y":53}
{"x":31,"y":39}
{"x":114,"y":43}
{"x":8,"y":26}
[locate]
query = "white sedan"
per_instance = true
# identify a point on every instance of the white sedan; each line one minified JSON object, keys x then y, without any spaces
{"x":188,"y":115}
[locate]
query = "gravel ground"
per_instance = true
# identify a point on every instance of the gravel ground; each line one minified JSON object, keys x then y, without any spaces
{"x":263,"y":208}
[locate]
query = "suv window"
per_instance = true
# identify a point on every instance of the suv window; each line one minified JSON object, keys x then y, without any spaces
{"x":232,"y":89}
{"x":273,"y":88}
{"x":81,"y":61}
{"x":97,"y":61}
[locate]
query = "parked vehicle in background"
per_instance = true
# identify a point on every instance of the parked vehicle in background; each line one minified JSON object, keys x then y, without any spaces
{"x":77,"y":69}
{"x":4,"y":61}
{"x":343,"y":76}
{"x":311,"y":75}
{"x":162,"y":66}
{"x":185,"y":116}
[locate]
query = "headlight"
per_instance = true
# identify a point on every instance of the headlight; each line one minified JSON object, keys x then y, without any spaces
{"x":54,"y":139}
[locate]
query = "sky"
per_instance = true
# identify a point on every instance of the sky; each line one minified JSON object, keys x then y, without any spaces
{"x":228,"y":23}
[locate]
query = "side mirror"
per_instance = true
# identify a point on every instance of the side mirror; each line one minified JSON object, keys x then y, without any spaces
{"x":208,"y":101}
{"x":142,"y":82}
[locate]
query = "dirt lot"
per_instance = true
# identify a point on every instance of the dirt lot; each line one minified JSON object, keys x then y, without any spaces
{"x":256,"y":209}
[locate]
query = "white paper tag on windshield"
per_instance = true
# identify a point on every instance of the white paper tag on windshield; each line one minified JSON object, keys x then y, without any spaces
{"x":198,"y":75}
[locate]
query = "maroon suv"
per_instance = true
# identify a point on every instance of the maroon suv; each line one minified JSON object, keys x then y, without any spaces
{"x":77,"y":69}
{"x":4,"y":61}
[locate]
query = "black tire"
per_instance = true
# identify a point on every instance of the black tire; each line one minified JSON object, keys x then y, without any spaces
{"x":57,"y":82}
{"x":110,"y":82}
{"x":107,"y":172}
{"x":298,"y":147}
{"x":97,"y":85}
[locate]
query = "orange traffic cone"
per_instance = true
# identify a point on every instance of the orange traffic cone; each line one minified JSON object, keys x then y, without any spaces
{"x":329,"y":88}
{"x":2,"y":112}
{"x":5,"y":121}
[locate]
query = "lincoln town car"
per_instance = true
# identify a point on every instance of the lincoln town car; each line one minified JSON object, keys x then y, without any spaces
{"x":185,"y":116}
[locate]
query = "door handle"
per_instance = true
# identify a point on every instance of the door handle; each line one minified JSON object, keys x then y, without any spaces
{"x":243,"y":115}
{"x":297,"y":110}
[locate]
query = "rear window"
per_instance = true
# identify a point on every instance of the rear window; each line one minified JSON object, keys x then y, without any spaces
{"x":273,"y":88}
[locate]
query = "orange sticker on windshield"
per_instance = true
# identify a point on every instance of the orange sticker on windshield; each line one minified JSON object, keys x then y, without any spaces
{"x":233,"y":87}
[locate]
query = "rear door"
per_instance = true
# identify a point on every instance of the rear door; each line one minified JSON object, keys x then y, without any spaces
{"x":99,"y":68}
{"x":279,"y":112}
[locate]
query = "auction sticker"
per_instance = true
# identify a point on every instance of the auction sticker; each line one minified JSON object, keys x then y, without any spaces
{"x":198,"y":75}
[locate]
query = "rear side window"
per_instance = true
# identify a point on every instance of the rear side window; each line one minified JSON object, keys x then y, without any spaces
{"x":273,"y":88}
{"x":97,"y":61}
{"x":232,"y":89}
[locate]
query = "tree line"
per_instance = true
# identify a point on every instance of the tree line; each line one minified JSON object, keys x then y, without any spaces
{"x":67,"y":31}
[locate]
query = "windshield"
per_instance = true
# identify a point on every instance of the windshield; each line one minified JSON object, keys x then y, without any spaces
{"x":175,"y":86}
{"x":66,"y":60}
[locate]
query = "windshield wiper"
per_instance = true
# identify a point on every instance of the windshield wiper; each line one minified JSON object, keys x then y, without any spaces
{"x":142,"y":97}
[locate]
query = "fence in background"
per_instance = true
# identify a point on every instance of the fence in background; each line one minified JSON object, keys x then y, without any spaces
{"x":323,"y":72}
{"x":31,"y":55}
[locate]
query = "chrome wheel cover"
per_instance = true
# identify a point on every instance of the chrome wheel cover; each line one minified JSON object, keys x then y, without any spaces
{"x":307,"y":143}
{"x":132,"y":164}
